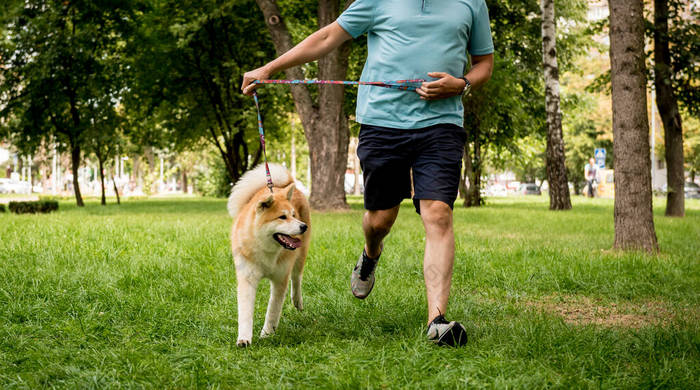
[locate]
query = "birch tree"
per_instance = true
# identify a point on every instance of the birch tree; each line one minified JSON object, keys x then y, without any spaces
{"x":559,"y":197}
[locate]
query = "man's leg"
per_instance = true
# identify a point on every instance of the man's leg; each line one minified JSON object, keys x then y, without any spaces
{"x":439,"y":254}
{"x":376,"y":224}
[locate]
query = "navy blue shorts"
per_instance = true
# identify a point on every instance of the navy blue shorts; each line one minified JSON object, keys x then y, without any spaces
{"x":387,"y":157}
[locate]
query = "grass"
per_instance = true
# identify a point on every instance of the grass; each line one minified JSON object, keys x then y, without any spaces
{"x":143,"y":295}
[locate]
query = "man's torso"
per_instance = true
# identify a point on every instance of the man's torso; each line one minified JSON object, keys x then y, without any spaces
{"x":407,"y":39}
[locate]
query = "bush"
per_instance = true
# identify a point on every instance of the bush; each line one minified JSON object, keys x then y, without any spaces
{"x":2,"y":208}
{"x":42,"y":206}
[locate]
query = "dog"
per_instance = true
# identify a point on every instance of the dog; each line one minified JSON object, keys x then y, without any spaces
{"x":269,"y":239}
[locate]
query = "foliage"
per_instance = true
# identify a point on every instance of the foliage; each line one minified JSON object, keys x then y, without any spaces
{"x":61,"y":62}
{"x":42,"y":206}
{"x":510,"y":107}
{"x":2,"y":208}
{"x":684,"y":45}
{"x":188,"y":59}
{"x":691,"y":145}
{"x":212,"y":177}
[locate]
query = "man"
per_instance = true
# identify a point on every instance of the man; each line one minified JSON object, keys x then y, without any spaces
{"x":403,"y":132}
{"x":591,"y":173}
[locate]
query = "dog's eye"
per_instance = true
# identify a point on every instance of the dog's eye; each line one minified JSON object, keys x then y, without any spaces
{"x":283,"y":217}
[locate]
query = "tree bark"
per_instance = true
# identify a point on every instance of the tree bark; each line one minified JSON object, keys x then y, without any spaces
{"x":634,"y":220}
{"x":100,"y":163}
{"x":75,"y":165}
{"x":472,"y":162}
{"x":559,"y":197}
{"x":116,"y":190}
{"x":668,"y":109}
{"x":325,"y":124}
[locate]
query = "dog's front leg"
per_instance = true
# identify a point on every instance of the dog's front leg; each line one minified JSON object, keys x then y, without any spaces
{"x":247,"y":286}
{"x":278,"y":290}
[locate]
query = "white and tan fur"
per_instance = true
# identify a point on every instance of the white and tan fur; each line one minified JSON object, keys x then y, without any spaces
{"x":257,"y":254}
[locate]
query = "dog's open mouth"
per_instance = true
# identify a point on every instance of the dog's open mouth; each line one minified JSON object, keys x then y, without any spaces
{"x":287,"y":242}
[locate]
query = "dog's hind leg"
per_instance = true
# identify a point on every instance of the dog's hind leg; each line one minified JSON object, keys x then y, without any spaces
{"x":297,"y":273}
{"x":247,"y":287}
{"x":278,"y":290}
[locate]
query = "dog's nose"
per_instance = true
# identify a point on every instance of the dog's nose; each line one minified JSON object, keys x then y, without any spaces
{"x":303,"y":227}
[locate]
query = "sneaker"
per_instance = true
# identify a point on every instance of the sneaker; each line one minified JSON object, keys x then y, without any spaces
{"x":362,"y":278}
{"x":443,"y":332}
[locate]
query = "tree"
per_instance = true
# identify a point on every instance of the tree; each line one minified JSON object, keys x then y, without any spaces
{"x":691,"y":145}
{"x":103,"y":139}
{"x":667,"y":103}
{"x":325,"y":124}
{"x":559,"y":198}
{"x":57,"y":55}
{"x":188,"y":59}
{"x":634,"y":220}
{"x":511,"y":105}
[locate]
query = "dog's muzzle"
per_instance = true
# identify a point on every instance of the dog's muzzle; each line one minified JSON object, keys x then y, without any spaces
{"x":287,"y":242}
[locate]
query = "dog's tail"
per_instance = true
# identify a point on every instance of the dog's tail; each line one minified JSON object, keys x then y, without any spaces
{"x":252,"y":181}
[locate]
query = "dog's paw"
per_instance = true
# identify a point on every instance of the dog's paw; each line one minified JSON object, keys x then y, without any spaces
{"x":266,"y":333}
{"x":299,"y":303}
{"x":243,"y":343}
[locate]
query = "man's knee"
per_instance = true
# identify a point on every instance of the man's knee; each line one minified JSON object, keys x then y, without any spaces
{"x":436,"y":215}
{"x":379,"y":222}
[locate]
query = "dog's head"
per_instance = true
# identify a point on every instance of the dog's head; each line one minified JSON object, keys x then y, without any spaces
{"x":278,"y":219}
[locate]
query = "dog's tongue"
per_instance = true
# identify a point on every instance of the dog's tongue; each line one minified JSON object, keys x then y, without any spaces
{"x":291,"y":241}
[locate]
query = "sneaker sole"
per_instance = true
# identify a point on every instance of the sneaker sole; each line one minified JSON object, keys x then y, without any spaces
{"x":362,"y":296}
{"x":455,"y":337}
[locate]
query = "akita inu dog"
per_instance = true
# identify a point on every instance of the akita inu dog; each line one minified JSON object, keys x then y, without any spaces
{"x":270,"y":239}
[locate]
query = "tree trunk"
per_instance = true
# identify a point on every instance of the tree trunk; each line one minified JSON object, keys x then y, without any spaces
{"x":668,"y":109}
{"x":100,"y":163}
{"x":116,"y":190}
{"x":472,"y":162}
{"x":559,"y":197}
{"x":634,"y":219}
{"x":185,"y":190}
{"x":325,"y":125}
{"x":75,"y":165}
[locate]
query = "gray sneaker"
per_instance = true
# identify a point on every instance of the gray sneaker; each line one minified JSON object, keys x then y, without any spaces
{"x":443,"y":332}
{"x":362,"y":278}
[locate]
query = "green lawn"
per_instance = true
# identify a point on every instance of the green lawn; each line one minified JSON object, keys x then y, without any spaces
{"x":143,"y":295}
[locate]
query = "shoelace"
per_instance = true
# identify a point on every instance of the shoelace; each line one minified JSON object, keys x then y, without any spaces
{"x":404,"y":85}
{"x":367,"y":266}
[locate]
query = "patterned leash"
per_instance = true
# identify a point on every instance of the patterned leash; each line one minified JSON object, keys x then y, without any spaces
{"x":403,"y":85}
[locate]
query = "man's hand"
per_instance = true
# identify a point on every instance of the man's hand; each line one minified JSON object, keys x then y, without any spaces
{"x":257,"y":74}
{"x":446,"y":86}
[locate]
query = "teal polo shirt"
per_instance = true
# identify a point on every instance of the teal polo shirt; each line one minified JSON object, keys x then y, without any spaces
{"x":407,"y":39}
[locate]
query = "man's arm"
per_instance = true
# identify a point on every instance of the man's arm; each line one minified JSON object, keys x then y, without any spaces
{"x":447,"y":85}
{"x":310,"y":49}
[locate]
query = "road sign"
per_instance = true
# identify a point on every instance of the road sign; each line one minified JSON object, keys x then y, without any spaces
{"x":600,"y":157}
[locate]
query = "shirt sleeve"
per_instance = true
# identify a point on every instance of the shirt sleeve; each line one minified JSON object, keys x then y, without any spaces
{"x":480,"y":41}
{"x":358,"y":18}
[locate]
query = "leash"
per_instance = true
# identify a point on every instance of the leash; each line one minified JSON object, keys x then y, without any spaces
{"x":403,"y":85}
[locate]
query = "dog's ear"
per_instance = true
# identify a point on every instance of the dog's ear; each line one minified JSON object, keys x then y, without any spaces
{"x":266,"y":203}
{"x":290,"y":191}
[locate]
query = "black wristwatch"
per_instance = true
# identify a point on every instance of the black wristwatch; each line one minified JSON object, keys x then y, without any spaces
{"x":467,"y":86}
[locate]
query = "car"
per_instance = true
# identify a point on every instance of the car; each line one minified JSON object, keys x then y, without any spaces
{"x":692,"y":190}
{"x":529,"y":189}
{"x":9,"y":186}
{"x":4,"y":186}
{"x":498,"y":190}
